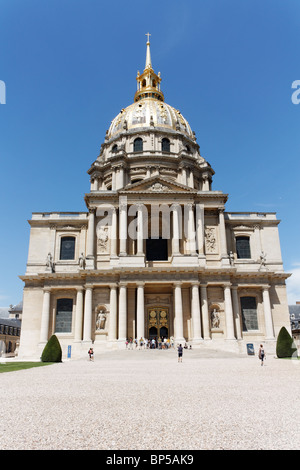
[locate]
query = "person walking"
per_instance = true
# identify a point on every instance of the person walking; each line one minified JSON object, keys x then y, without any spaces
{"x":180,"y":352}
{"x":261,"y":354}
{"x":91,"y":354}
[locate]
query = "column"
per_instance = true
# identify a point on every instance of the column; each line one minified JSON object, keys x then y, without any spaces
{"x":178,"y":312}
{"x":196,"y":314}
{"x":204,"y":309}
{"x":236,"y":312}
{"x":79,"y":315}
{"x":140,"y":231}
{"x":222,"y":230}
{"x":191,"y":235}
{"x":113,"y":233}
{"x":176,"y":229}
{"x":45,"y":316}
{"x":228,"y":312}
{"x":113,"y":179}
{"x":87,"y":325}
{"x":200,"y":229}
{"x":140,"y":311}
{"x":268,"y":313}
{"x":123,"y":228}
{"x":91,"y":238}
{"x":112,"y":331}
{"x":122,"y":312}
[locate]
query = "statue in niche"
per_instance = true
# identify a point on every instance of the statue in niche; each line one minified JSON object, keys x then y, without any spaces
{"x":100,"y":321}
{"x":215,"y":319}
{"x":231,"y":258}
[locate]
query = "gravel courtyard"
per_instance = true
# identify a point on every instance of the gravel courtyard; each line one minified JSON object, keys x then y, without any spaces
{"x":146,"y":400}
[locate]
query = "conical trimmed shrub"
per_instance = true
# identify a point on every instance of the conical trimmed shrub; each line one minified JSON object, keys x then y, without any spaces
{"x":285,"y":346}
{"x":52,"y":351}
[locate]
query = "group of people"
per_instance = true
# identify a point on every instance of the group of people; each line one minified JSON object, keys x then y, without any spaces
{"x":153,"y":343}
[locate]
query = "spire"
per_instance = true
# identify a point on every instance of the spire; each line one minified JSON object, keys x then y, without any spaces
{"x":148,"y":55}
{"x":148,"y":83}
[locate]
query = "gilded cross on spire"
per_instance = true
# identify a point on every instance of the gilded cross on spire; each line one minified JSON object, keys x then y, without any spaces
{"x":148,"y":34}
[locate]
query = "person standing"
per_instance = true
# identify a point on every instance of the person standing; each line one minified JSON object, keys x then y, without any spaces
{"x":261,"y":354}
{"x":180,"y":352}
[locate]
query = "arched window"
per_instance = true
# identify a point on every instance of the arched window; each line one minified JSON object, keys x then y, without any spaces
{"x":67,"y":248}
{"x":63,"y":320}
{"x":138,"y":145}
{"x":243,"y":247}
{"x":165,"y":145}
{"x":249,"y":313}
{"x":115,"y":148}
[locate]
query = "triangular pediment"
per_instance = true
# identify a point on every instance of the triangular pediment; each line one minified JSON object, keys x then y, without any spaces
{"x":157,"y":184}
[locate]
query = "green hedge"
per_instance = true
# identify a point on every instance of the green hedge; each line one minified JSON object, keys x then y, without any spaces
{"x":52,"y":351}
{"x":285,"y":346}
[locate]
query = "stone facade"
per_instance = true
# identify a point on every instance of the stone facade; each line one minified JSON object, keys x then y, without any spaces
{"x":156,"y":253}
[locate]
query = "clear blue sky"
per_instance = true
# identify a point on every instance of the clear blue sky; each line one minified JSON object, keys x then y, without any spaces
{"x":70,"y":66}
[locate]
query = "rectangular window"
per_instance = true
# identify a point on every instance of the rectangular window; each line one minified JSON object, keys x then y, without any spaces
{"x":63,"y":323}
{"x":67,"y":248}
{"x":243,"y":247}
{"x":249,"y":313}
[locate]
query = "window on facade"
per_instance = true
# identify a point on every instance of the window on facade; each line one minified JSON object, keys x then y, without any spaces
{"x":165,"y":145}
{"x":157,"y":249}
{"x":115,"y":148}
{"x":138,"y":145}
{"x":63,"y":323}
{"x":243,"y":247}
{"x":249,"y":313}
{"x":67,"y":248}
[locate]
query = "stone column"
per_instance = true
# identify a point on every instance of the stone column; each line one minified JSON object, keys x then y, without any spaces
{"x":191,"y":230}
{"x":223,"y":242}
{"x":113,"y":179}
{"x":90,"y":258}
{"x":87,"y":325}
{"x":176,"y":229}
{"x":112,"y":331}
{"x":140,"y":231}
{"x":228,"y":312}
{"x":200,"y":229}
{"x":268,"y":313}
{"x":178,"y":313}
{"x":123,"y":228}
{"x":236,"y":312}
{"x":196,"y":314}
{"x":113,"y":233}
{"x":45,"y":316}
{"x":79,"y":315}
{"x":122,"y":312}
{"x":204,"y":309}
{"x":140,"y":311}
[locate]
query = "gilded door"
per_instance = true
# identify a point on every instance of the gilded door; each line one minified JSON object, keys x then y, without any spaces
{"x":158,"y":322}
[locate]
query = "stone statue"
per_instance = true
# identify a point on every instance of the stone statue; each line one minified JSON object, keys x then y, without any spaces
{"x":215,"y":319}
{"x":231,"y":258}
{"x":100,"y":322}
{"x":263,"y":259}
{"x":81,"y":261}
{"x":49,"y":263}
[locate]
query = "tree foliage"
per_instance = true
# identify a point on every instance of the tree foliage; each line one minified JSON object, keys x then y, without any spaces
{"x":285,"y":346}
{"x":52,"y":351}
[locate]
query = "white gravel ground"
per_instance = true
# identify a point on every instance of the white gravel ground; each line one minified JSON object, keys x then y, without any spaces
{"x":146,"y":400}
